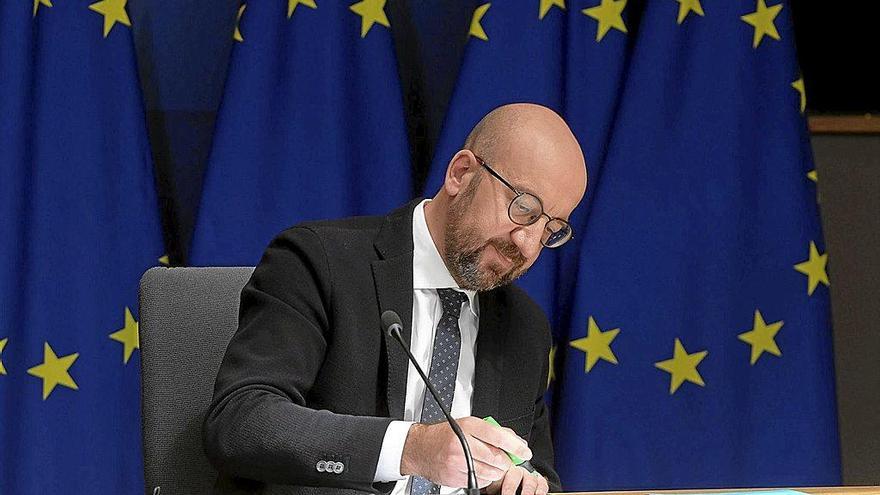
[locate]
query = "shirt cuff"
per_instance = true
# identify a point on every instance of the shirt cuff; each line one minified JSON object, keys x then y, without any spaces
{"x":388,"y":467}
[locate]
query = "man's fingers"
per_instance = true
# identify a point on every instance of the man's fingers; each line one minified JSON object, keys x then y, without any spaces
{"x":461,"y":480}
{"x":487,"y":471}
{"x":511,"y":481}
{"x":458,"y":479}
{"x":489,"y":454}
{"x":495,"y":487}
{"x":502,"y":438}
{"x":481,"y":482}
{"x":529,"y":483}
{"x":543,"y":486}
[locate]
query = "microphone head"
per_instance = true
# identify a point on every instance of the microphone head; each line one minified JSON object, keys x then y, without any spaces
{"x":389,"y":319}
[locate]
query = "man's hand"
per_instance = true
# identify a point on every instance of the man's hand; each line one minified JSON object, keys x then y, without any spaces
{"x":532,"y":483}
{"x":434,"y":452}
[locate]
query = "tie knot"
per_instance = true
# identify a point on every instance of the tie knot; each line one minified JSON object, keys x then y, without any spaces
{"x":451,"y":300}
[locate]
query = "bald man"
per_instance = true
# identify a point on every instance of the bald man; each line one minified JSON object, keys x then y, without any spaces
{"x":313,"y":397}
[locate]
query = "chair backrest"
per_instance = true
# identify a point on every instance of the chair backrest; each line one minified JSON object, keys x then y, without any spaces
{"x":187,"y":317}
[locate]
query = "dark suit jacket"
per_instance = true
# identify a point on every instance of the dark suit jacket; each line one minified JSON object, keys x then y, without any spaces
{"x":310,"y":376}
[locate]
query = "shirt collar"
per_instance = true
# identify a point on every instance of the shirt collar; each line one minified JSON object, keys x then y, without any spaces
{"x":429,"y":270}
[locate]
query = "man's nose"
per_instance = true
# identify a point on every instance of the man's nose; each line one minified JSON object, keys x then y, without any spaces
{"x":528,"y":239}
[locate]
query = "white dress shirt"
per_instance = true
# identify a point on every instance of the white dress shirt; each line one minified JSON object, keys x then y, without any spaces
{"x":429,"y":273}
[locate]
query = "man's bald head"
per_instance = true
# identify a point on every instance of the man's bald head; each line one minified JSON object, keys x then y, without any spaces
{"x":490,"y":132}
{"x":533,"y":130}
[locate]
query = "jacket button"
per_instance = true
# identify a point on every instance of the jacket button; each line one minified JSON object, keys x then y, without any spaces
{"x":338,"y":468}
{"x":321,"y":466}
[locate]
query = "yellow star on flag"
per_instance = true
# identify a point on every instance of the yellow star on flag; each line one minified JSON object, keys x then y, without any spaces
{"x":53,"y":371}
{"x":113,"y":12}
{"x":546,"y":5}
{"x":609,"y":14}
{"x":687,"y":6}
{"x":164,"y":260}
{"x":682,"y":367}
{"x":37,"y":3}
{"x":813,"y":175}
{"x":762,"y":21}
{"x":371,"y":12}
{"x":762,"y":337}
{"x":799,"y":86}
{"x":2,"y":345}
{"x":476,"y":28}
{"x":814,"y":269}
{"x":551,"y":374}
{"x":291,"y":5}
{"x":596,"y":345}
{"x":128,"y":336}
{"x":236,"y":34}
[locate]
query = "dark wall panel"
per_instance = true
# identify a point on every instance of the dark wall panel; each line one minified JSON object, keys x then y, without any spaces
{"x":849,"y":195}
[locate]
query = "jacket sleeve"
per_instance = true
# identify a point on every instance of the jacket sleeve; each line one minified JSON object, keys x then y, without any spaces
{"x":258,"y":425}
{"x":542,"y":447}
{"x":539,"y":438}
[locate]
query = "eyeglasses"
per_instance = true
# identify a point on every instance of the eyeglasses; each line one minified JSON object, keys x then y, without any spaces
{"x":526,"y":208}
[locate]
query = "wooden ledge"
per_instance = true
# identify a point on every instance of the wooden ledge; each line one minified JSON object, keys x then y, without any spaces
{"x":844,"y":124}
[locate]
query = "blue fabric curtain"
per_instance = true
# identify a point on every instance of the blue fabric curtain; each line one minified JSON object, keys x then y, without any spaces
{"x":79,"y":225}
{"x":311,"y":126}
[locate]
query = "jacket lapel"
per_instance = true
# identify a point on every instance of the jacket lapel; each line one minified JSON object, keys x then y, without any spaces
{"x":393,"y":278}
{"x":489,"y":372}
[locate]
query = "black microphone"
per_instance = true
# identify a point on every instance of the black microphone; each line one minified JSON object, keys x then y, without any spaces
{"x":392,"y":325}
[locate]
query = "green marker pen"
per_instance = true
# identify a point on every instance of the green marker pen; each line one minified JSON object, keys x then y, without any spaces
{"x":513,"y":457}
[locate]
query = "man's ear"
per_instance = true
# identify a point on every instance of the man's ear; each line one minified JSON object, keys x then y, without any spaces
{"x":459,"y":172}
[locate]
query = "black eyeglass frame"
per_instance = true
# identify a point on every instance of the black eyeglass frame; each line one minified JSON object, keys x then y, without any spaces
{"x":519,"y":193}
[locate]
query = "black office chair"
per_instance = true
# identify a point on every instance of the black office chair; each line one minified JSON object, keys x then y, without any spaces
{"x":187,"y":317}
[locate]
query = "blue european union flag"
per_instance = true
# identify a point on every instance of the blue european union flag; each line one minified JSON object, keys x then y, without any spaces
{"x":691,"y":311}
{"x":78,"y":226}
{"x":311,"y":126}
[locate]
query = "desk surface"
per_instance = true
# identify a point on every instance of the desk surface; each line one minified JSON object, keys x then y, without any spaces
{"x":831,"y":490}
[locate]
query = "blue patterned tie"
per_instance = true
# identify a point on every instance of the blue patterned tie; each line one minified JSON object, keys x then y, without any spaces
{"x":444,"y":367}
